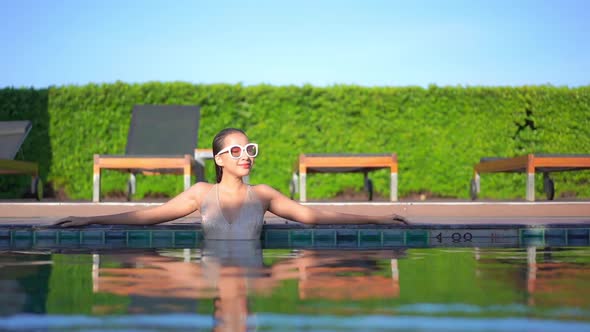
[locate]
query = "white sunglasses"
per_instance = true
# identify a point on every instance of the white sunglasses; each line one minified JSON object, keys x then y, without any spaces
{"x":236,"y":151}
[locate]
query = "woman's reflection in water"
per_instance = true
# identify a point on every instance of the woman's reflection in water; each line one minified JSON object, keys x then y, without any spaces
{"x":231,"y":267}
{"x":229,"y":271}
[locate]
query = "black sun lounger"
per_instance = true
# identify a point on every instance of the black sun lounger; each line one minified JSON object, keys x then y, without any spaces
{"x":161,"y":140}
{"x":529,"y":164}
{"x":12,"y":136}
{"x":343,"y":163}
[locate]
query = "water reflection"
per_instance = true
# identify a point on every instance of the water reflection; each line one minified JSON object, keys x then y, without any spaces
{"x":234,"y":281}
{"x":550,"y":275}
{"x":341,"y":275}
{"x":547,"y":278}
{"x":229,"y":271}
{"x":23,"y":282}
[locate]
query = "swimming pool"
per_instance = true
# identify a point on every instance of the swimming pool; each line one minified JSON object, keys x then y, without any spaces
{"x":296,"y":278}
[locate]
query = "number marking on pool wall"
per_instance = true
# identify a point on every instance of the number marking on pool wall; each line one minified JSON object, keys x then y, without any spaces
{"x":475,"y":237}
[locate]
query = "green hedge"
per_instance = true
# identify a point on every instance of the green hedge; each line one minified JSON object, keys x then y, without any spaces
{"x":27,"y":104}
{"x":439,"y":133}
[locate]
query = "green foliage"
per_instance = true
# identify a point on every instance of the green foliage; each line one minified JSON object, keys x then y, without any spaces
{"x":27,"y":104}
{"x":438,"y":133}
{"x":561,"y":117}
{"x":451,"y":276}
{"x":70,"y":288}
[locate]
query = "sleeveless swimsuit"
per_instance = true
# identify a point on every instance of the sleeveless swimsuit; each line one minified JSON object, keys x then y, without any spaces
{"x":247,"y":225}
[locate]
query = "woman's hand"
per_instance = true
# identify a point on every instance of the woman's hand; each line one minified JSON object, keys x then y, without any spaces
{"x":395,"y":219}
{"x":73,"y":222}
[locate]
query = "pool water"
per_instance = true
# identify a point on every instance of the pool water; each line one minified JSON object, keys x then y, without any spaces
{"x":238,"y":286}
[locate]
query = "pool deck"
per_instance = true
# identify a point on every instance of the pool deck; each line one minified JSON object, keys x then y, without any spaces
{"x":450,"y":213}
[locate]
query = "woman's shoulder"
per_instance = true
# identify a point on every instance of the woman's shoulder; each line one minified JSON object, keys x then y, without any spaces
{"x":203,"y":185}
{"x":201,"y":188}
{"x":265,"y":191}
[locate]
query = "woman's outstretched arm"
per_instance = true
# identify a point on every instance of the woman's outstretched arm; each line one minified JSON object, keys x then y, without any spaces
{"x":179,"y":206}
{"x":284,"y":207}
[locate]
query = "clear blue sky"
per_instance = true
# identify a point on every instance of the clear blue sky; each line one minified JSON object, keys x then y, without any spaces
{"x":320,"y":42}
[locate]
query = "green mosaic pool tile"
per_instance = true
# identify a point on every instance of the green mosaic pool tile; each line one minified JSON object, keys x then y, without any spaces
{"x":115,"y":242}
{"x":276,"y":238}
{"x":417,"y":242}
{"x":138,"y":242}
{"x":393,"y":233}
{"x":371,"y":243}
{"x":185,"y":242}
{"x":22,"y":243}
{"x":302,"y":243}
{"x":279,"y":238}
{"x":69,"y":242}
{"x":69,"y":234}
{"x":532,"y":232}
{"x":4,"y":242}
{"x":274,"y":243}
{"x":185,"y":239}
{"x":46,"y":242}
{"x":555,"y":233}
{"x":393,"y":237}
{"x":324,"y":234}
{"x":22,"y":234}
{"x":578,"y":242}
{"x":160,"y":242}
{"x":417,"y":238}
{"x":370,"y":235}
{"x":417,"y":234}
{"x":162,"y":234}
{"x":302,"y":238}
{"x":577,"y":233}
{"x":115,"y":234}
{"x":46,"y":234}
{"x":324,"y":242}
{"x":139,"y":235}
{"x":276,"y":235}
{"x":372,"y":239}
{"x":324,"y":238}
{"x":93,"y":234}
{"x":92,"y":241}
{"x":347,"y":238}
{"x":556,"y":241}
{"x":185,"y":235}
{"x":301,"y":235}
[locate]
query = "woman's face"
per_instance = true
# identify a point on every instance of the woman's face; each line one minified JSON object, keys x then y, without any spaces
{"x":238,"y":167}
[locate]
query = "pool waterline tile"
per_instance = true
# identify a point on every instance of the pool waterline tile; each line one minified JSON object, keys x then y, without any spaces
{"x":300,"y":237}
{"x":555,"y":233}
{"x":532,"y":232}
{"x":578,"y":233}
{"x":22,"y":234}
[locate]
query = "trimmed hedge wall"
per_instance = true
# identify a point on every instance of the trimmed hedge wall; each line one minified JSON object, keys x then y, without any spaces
{"x":27,"y":104}
{"x":439,"y":133}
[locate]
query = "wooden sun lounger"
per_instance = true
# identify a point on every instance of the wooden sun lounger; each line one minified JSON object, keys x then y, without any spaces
{"x":162,"y":140}
{"x":343,"y":163}
{"x":545,"y":163}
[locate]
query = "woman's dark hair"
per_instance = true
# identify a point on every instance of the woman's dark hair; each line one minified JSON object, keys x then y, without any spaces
{"x":218,"y":145}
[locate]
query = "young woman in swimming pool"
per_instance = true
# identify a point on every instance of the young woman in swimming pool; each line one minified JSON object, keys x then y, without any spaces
{"x":231,"y":209}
